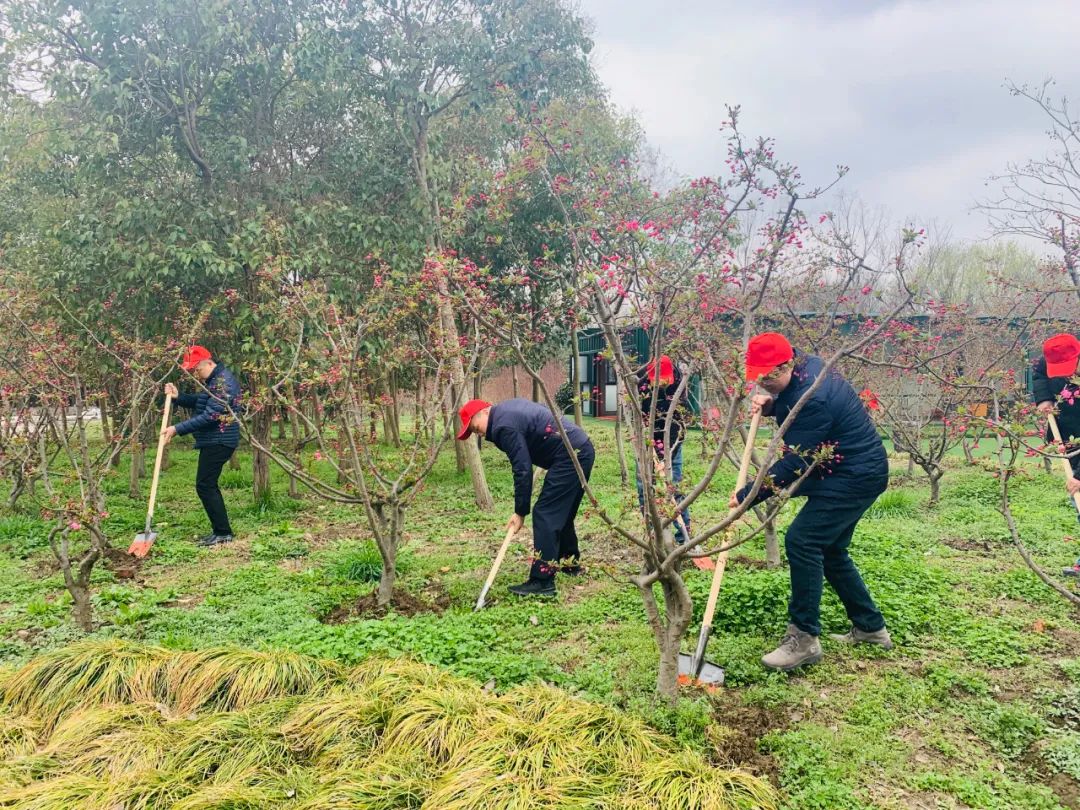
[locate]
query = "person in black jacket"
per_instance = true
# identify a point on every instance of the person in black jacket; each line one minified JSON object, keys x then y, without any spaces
{"x":1053,"y":386}
{"x":526,"y":432}
{"x":216,"y":432}
{"x":838,"y":492}
{"x":666,"y":384}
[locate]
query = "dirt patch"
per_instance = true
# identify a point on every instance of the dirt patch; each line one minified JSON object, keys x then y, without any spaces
{"x":1067,"y":790}
{"x":185,"y":602}
{"x":962,"y":544}
{"x":1068,"y":640}
{"x":122,"y":564}
{"x":743,"y":726}
{"x":748,"y":562}
{"x":433,"y":600}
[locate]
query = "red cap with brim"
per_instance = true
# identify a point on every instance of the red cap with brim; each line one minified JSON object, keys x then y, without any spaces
{"x":667,"y":372}
{"x":193,"y":356}
{"x":1062,"y":352}
{"x":467,"y":412}
{"x":765,"y":352}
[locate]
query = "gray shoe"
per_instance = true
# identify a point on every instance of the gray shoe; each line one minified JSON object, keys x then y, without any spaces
{"x":796,"y":650}
{"x":856,"y":636}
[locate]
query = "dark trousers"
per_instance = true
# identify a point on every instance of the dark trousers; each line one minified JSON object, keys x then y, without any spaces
{"x":554,"y":535}
{"x":817,"y":548}
{"x":211,"y":459}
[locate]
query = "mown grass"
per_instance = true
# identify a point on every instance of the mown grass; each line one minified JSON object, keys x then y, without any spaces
{"x":976,"y":707}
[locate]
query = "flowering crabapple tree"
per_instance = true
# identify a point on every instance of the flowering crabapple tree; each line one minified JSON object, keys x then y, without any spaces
{"x":53,"y":363}
{"x":335,"y":347}
{"x":686,"y":268}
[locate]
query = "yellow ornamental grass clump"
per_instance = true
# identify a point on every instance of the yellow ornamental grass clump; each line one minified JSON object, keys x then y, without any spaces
{"x":117,"y":726}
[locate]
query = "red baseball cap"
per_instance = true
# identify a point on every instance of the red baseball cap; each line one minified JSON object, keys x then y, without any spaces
{"x":667,"y":372}
{"x":193,"y":356}
{"x":467,"y":412}
{"x":1062,"y":353}
{"x":765,"y":352}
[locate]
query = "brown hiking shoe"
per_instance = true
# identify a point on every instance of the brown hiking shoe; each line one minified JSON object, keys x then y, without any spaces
{"x":856,"y":636}
{"x":796,"y":650}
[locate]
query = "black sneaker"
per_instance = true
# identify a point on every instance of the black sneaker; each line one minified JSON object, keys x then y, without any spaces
{"x":1072,"y":571}
{"x":215,"y":540}
{"x":202,"y":541}
{"x":534,"y":587}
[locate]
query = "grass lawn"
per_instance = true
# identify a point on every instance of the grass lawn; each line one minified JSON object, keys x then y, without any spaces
{"x":978,"y":706}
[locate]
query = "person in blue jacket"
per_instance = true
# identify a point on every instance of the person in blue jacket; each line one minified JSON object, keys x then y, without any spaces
{"x":526,"y":432}
{"x":838,"y":492}
{"x":216,"y":432}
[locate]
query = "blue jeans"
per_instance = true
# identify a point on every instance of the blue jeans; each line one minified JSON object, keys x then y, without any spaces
{"x":676,"y":478}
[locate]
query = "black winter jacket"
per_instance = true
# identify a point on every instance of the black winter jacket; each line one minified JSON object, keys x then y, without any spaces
{"x":1048,"y":389}
{"x":834,"y":414}
{"x":212,"y":423}
{"x":526,"y":432}
{"x":665,"y":395}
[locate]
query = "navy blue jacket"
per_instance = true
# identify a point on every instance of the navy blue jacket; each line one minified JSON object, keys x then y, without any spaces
{"x":212,"y":422}
{"x":665,"y":396}
{"x":526,"y":432}
{"x":834,"y":414}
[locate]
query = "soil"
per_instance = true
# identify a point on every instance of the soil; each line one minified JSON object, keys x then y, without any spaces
{"x":745,"y":725}
{"x":124,"y":565}
{"x":960,"y":544}
{"x":1067,"y":790}
{"x":748,"y":562}
{"x":401,"y":602}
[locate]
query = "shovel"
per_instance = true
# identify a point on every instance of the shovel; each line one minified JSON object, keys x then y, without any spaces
{"x":494,"y":569}
{"x":140,"y":546}
{"x":694,"y":669}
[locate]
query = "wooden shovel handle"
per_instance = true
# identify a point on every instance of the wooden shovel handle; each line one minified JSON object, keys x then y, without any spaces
{"x":1066,"y":467}
{"x":495,"y":568}
{"x":157,"y":461}
{"x":721,"y":558}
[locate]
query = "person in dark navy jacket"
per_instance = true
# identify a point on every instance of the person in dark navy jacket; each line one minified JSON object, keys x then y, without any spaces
{"x":838,"y":492}
{"x":1053,"y":387}
{"x":526,"y":432}
{"x":216,"y":432}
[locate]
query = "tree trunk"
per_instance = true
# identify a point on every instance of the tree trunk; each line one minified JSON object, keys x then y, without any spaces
{"x":107,"y":427}
{"x":620,"y":451}
{"x":1048,"y":465}
{"x":260,"y":461}
{"x":772,"y":545}
{"x":968,"y":456}
{"x":535,"y":396}
{"x":81,"y":609}
{"x":166,"y":457}
{"x":138,"y":453}
{"x":935,"y":487}
{"x":514,"y":381}
{"x":395,"y":411}
{"x":678,"y":613}
{"x":43,"y":454}
{"x":910,"y":465}
{"x":298,"y":460}
{"x":575,"y":377}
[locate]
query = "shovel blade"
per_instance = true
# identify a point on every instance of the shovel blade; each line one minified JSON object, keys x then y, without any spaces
{"x":711,"y":674}
{"x":140,"y":546}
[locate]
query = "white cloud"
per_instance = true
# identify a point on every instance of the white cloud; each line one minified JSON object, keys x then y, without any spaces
{"x":909,"y":94}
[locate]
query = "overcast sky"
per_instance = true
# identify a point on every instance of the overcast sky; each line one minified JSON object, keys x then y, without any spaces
{"x":908,"y":93}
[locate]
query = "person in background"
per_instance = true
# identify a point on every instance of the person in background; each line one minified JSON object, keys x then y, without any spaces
{"x":216,"y":432}
{"x":666,"y":384}
{"x":838,"y":492}
{"x":526,"y":432}
{"x":1054,"y":386}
